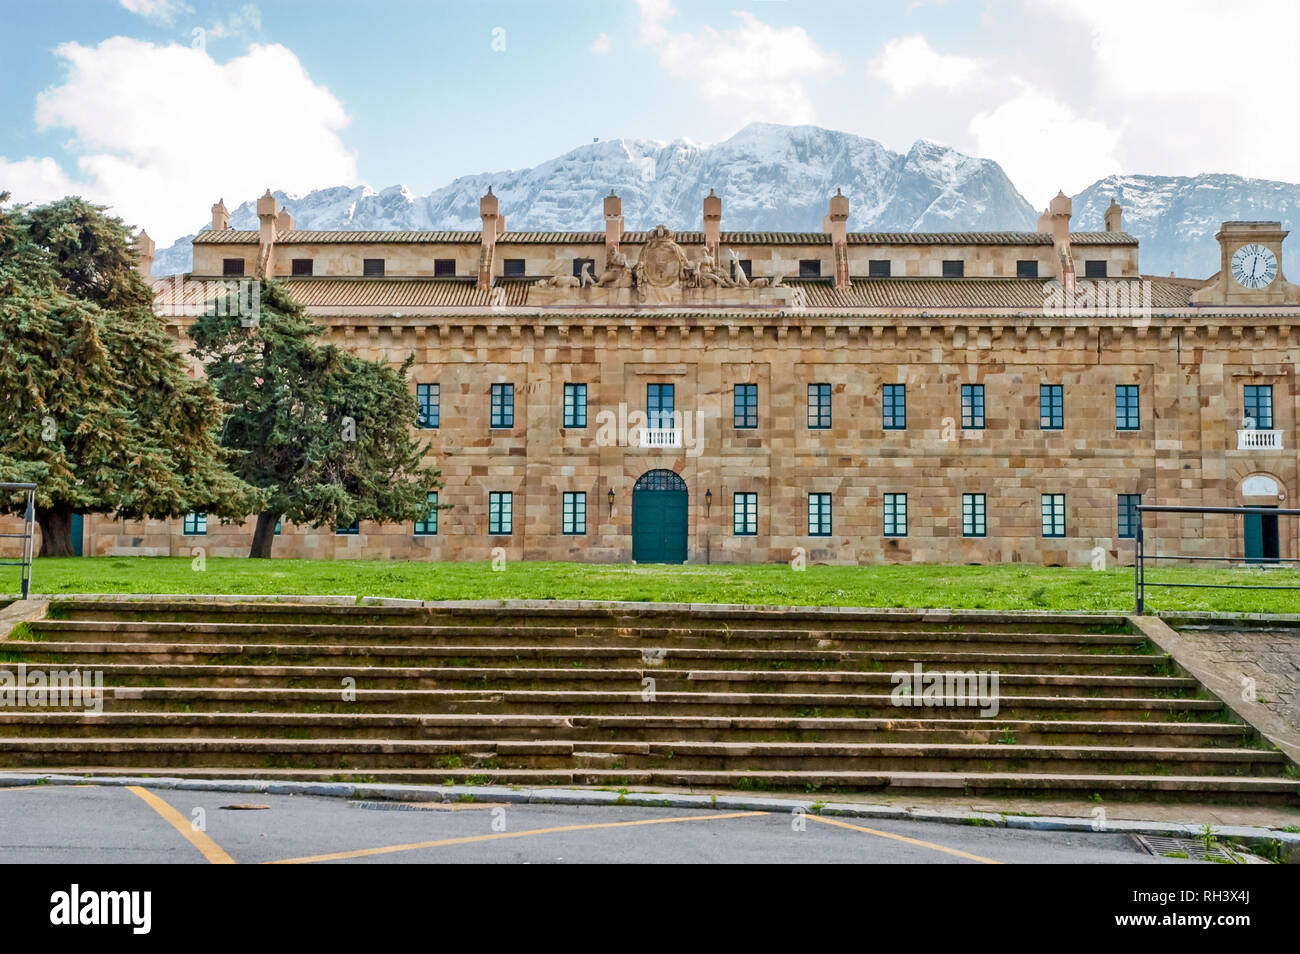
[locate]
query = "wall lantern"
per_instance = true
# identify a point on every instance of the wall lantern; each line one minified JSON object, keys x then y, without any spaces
{"x":708,"y":501}
{"x":610,"y":497}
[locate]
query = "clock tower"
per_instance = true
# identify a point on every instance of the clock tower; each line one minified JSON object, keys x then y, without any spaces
{"x":1250,"y":267}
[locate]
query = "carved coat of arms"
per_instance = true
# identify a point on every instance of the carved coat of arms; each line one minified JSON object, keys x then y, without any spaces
{"x":662,"y":262}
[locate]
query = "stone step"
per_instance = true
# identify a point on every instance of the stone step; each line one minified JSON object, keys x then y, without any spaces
{"x":565,"y":702}
{"x":358,"y":755}
{"x":611,"y":657}
{"x":1236,"y":789}
{"x":971,"y":639}
{"x":666,"y":679}
{"x":43,"y":723}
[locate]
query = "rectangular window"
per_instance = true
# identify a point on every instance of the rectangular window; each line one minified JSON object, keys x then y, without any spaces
{"x":810,"y":268}
{"x":1094,"y":268}
{"x":1053,"y":515}
{"x":1051,"y":407}
{"x":1128,"y":515}
{"x":575,"y":405}
{"x":972,"y":407}
{"x":895,"y":515}
{"x":1259,"y":406}
{"x":301,"y":267}
{"x":513,"y":267}
{"x":819,"y":406}
{"x":580,"y":263}
{"x":746,"y":266}
{"x":744,"y":515}
{"x":350,"y":530}
{"x":429,"y":398}
{"x":1127,"y":417}
{"x":427,"y":526}
{"x":659,"y":405}
{"x":372,"y":267}
{"x":500,"y":513}
{"x":879,"y":268}
{"x":819,"y":515}
{"x":1027,"y":268}
{"x":503,"y":405}
{"x":444,"y":267}
{"x":575,"y":514}
{"x":895,"y":407}
{"x":232,"y":267}
{"x":744,"y":404}
{"x":954,"y":268}
{"x":196,"y":524}
{"x":972,"y":515}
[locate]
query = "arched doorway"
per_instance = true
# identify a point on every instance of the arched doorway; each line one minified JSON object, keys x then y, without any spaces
{"x":1262,"y":540}
{"x":659,"y":500}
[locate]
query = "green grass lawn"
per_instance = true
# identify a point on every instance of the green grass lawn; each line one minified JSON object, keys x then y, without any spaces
{"x":1008,"y":586}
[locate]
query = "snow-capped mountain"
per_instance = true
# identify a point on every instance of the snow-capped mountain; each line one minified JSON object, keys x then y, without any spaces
{"x":1175,"y":217}
{"x":779,"y":178}
{"x":769,"y":177}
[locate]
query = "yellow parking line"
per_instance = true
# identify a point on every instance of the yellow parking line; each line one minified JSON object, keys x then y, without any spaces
{"x":206,"y":846}
{"x":471,"y":839}
{"x":903,"y":838}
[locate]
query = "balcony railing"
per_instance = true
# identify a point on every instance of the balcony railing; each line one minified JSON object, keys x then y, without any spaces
{"x":661,"y":437}
{"x":1251,"y":438}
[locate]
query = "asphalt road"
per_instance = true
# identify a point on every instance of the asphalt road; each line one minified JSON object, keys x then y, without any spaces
{"x":91,"y":824}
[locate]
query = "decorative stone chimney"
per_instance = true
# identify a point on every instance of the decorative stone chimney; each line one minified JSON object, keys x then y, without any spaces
{"x":1114,"y":217}
{"x":1058,"y":222}
{"x":144,"y":249}
{"x":489,"y":210}
{"x":712,"y":223}
{"x":220,"y":216}
{"x":266,"y":233}
{"x":836,"y":223}
{"x":613,"y":222}
{"x":284,"y":221}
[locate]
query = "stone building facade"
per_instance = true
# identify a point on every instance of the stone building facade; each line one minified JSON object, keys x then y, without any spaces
{"x":714,"y":396}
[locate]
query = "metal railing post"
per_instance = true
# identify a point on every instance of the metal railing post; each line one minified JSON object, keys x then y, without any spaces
{"x":28,"y":521}
{"x":1138,"y":566}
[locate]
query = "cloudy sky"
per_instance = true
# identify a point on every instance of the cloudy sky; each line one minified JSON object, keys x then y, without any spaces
{"x":157,"y":107}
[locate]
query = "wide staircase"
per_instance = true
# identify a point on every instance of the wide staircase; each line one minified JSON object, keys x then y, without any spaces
{"x":707,"y":699}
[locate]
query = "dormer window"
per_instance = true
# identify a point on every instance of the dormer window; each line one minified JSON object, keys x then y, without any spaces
{"x":444,"y":267}
{"x":513,"y":268}
{"x":1027,"y":268}
{"x":810,"y":268}
{"x":1094,"y":268}
{"x":580,"y":263}
{"x":372,"y":267}
{"x":954,"y":268}
{"x":232,"y":267}
{"x":302,"y":267}
{"x":879,"y":268}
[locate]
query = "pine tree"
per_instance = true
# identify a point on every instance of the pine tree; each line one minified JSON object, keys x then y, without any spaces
{"x":325,"y":434}
{"x":99,"y":408}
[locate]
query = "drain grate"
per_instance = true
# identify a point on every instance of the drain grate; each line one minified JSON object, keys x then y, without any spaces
{"x":396,"y":806}
{"x":1191,"y":847}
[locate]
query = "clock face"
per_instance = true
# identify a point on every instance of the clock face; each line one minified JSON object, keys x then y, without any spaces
{"x":1254,"y":266}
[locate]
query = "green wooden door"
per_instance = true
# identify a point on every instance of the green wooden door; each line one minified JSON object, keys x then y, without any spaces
{"x":78,"y":532}
{"x":659,"y":518}
{"x":1261,"y":538}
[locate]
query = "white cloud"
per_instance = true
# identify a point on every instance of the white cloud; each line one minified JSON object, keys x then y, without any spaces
{"x":753,"y":72}
{"x":1044,"y":145}
{"x":1199,"y":85}
{"x":244,"y":21}
{"x":163,"y":131}
{"x":164,"y":11}
{"x":601,"y":44}
{"x":909,"y":63}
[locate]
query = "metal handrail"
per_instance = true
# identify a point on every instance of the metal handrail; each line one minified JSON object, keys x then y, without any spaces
{"x":29,"y":520}
{"x":1141,"y":557}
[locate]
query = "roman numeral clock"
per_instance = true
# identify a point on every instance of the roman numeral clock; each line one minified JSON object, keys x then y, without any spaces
{"x":1253,"y":266}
